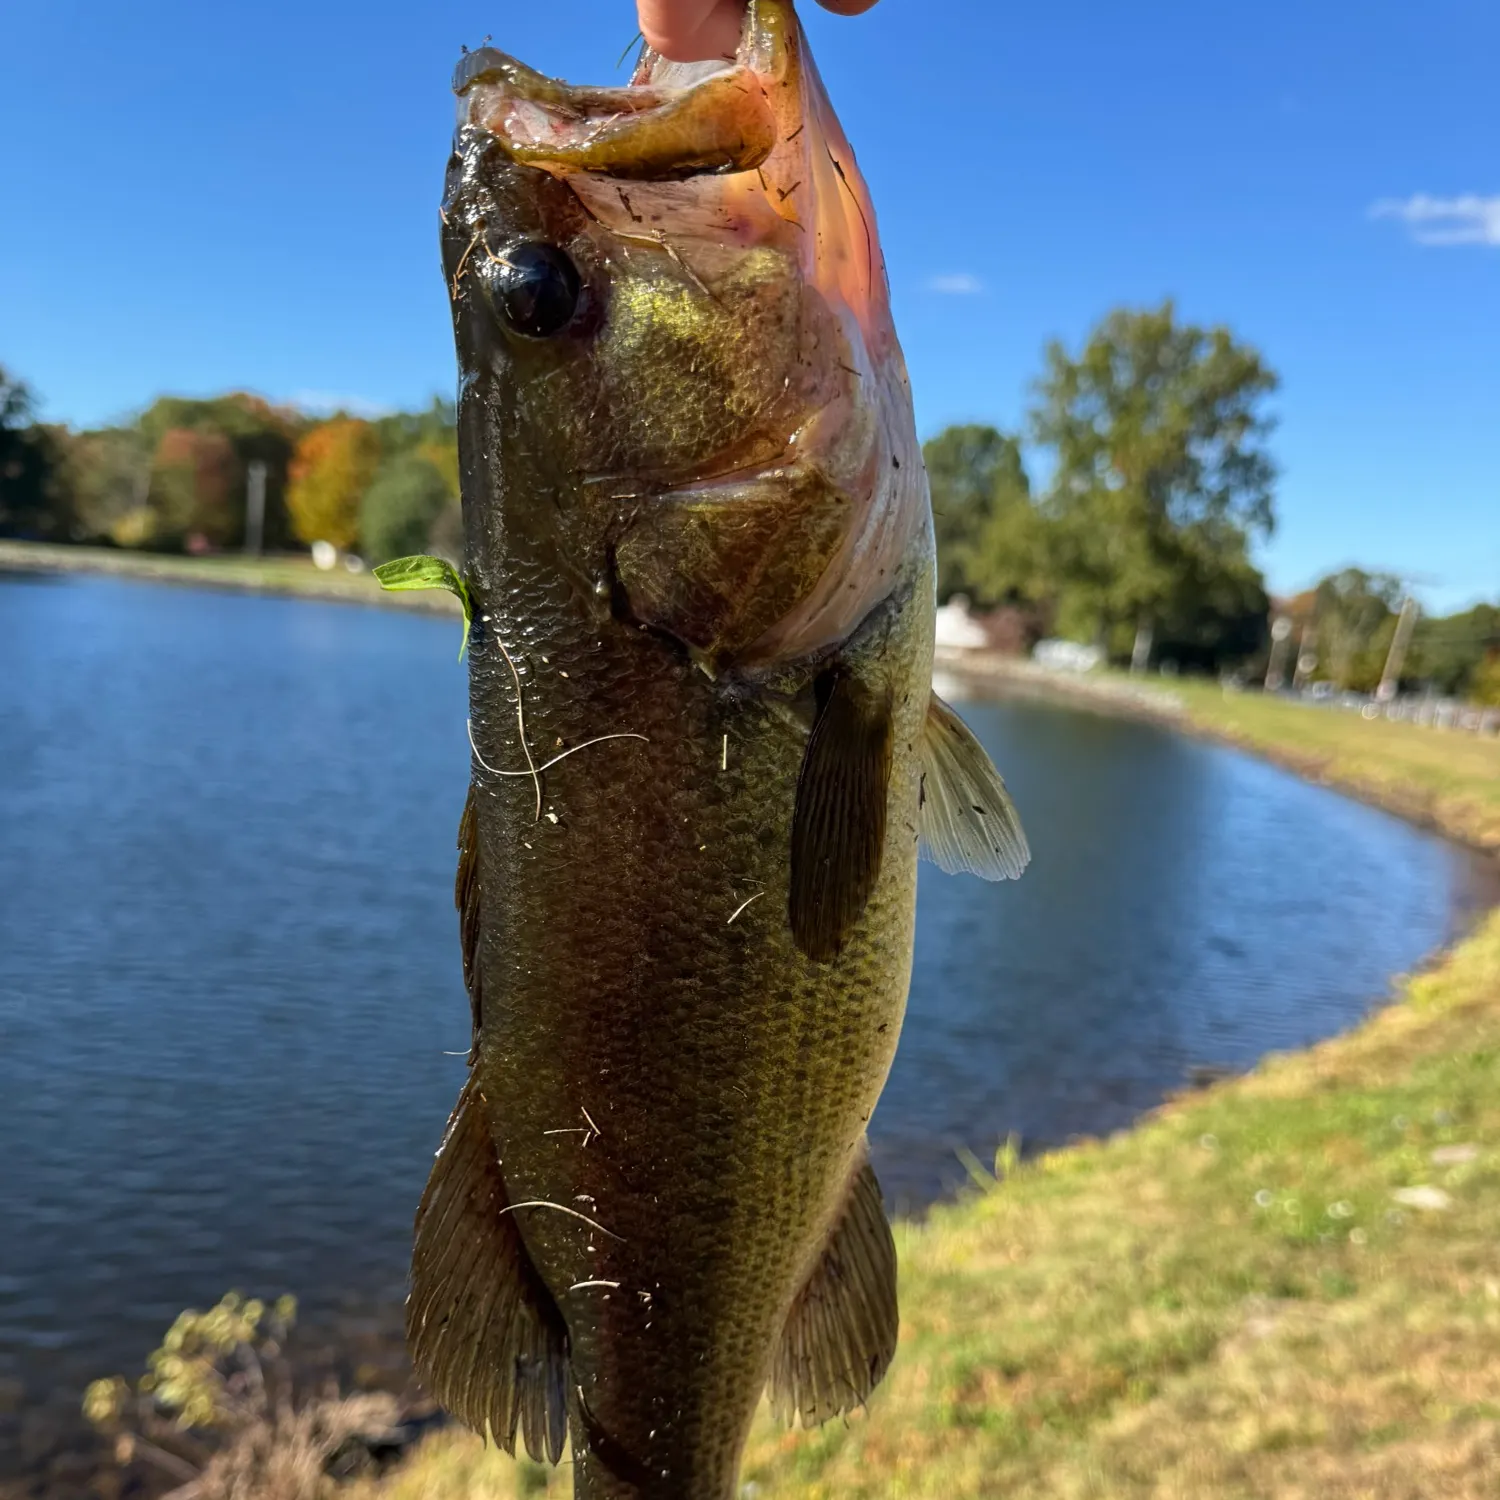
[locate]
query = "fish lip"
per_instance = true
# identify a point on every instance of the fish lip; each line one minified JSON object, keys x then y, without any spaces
{"x":484,"y":64}
{"x":671,"y":120}
{"x":491,"y":65}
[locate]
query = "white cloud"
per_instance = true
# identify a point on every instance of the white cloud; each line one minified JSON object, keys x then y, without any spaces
{"x":956,"y":284}
{"x":1466,"y":220}
{"x":325,"y":403}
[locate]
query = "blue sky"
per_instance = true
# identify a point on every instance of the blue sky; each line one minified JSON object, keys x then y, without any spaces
{"x":199,"y":197}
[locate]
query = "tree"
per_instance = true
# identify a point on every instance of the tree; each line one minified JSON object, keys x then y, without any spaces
{"x":1449,"y":651}
{"x":34,"y":501}
{"x":194,"y":491}
{"x":398,"y":511}
{"x":1484,"y":682}
{"x":1356,"y":618}
{"x":1162,"y":477}
{"x":974,"y":473}
{"x":256,"y":432}
{"x":330,"y":470}
{"x":110,"y":475}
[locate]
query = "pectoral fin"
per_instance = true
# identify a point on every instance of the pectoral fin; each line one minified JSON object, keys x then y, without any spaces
{"x":838,"y":826}
{"x":968,"y":822}
{"x":484,"y":1333}
{"x":840,"y":1335}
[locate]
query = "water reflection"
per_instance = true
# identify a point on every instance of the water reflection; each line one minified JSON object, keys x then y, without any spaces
{"x":1187,"y":907}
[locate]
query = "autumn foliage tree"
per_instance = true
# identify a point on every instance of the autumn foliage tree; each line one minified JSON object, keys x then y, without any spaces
{"x":193,"y":488}
{"x":330,"y":470}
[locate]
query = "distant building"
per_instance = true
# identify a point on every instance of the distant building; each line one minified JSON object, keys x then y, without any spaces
{"x":957,"y":629}
{"x":1067,"y":656}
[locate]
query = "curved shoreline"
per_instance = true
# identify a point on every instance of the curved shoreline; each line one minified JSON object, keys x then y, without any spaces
{"x":1183,"y":707}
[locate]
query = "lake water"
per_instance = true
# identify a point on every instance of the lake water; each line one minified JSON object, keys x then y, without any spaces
{"x":231,"y":1016}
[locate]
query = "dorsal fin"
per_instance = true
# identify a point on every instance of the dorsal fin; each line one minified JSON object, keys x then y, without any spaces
{"x":840,"y":1335}
{"x":838,"y":826}
{"x":484,"y":1334}
{"x":968,"y":822}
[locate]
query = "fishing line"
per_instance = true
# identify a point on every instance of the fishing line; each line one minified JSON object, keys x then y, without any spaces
{"x":562,"y":1208}
{"x":535,"y":771}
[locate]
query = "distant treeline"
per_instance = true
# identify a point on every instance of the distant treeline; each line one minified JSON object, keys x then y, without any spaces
{"x":1159,"y":480}
{"x":175,"y":478}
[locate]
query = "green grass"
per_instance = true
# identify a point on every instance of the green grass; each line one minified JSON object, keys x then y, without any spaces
{"x":1445,"y":777}
{"x":1227,"y":1300}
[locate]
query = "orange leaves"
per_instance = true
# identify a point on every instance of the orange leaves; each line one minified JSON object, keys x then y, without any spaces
{"x":331,"y":468}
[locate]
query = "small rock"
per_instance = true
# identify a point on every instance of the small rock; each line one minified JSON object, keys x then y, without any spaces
{"x":1454,"y":1156}
{"x":1422,"y":1197}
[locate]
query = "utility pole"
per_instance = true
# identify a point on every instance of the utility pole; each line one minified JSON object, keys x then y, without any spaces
{"x":1396,"y":656}
{"x":255,"y":507}
{"x":1281,"y":630}
{"x":1307,"y":655}
{"x":1140,"y":655}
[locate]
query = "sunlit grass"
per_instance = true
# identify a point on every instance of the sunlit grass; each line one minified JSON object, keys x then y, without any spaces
{"x":1449,"y":778}
{"x":1225,"y":1301}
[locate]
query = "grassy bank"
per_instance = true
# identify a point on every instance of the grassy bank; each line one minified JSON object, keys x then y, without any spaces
{"x":295,"y":577}
{"x":1445,"y":778}
{"x":1287,"y":1285}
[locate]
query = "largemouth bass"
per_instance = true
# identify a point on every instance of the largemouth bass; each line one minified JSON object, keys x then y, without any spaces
{"x":705,"y":752}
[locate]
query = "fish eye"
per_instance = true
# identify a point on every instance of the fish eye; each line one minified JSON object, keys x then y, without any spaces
{"x":535,"y":287}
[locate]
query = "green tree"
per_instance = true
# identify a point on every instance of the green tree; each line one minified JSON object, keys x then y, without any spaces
{"x":110,"y":475}
{"x":981,"y":512}
{"x":34,"y":498}
{"x":398,"y":511}
{"x":1449,"y":650}
{"x":1484,"y":681}
{"x":1161,"y":477}
{"x":1356,"y":618}
{"x":433,"y":430}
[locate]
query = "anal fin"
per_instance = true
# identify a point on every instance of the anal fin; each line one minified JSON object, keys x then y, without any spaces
{"x":840,"y":1335}
{"x":968,"y":822}
{"x":484,"y":1333}
{"x":838,"y":826}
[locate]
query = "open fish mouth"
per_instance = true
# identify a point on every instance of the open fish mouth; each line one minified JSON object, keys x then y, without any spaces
{"x":743,"y":151}
{"x":738,"y":172}
{"x":673,"y":120}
